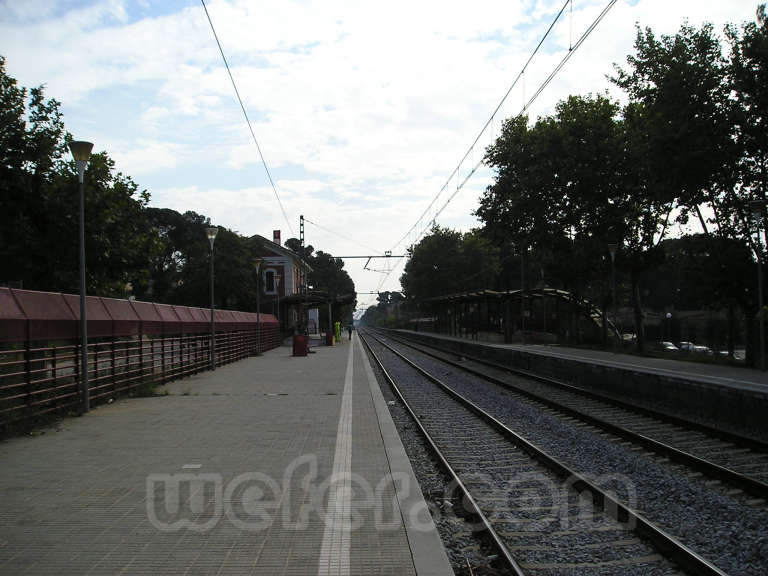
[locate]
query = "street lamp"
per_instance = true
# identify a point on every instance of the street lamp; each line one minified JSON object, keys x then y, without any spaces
{"x":277,"y":289}
{"x":81,"y":151}
{"x":612,"y":248}
{"x":211,"y":234}
{"x":257,"y":264}
{"x":757,"y":207}
{"x":522,"y":293}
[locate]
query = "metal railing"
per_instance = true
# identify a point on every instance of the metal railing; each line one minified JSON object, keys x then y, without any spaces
{"x":37,"y":378}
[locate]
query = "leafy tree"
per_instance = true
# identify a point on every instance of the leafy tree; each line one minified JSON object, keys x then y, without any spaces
{"x":748,"y":74}
{"x":130,"y":247}
{"x":327,"y":272}
{"x":682,"y":115}
{"x":39,"y":205}
{"x":565,"y":187}
{"x":446,"y":261}
{"x":181,"y":271}
{"x":387,"y":311}
{"x":697,"y":125}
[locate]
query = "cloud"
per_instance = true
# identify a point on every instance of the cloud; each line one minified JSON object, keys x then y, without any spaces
{"x":362,"y":110}
{"x":147,"y":156}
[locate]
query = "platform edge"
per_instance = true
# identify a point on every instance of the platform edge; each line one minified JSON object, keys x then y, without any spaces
{"x":429,"y":556}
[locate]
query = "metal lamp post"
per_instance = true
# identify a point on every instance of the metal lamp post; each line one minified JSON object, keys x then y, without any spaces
{"x":522,"y":292}
{"x":757,"y":208}
{"x":81,"y":151}
{"x":211,"y":234}
{"x":277,"y":289}
{"x":257,"y":264}
{"x":612,"y":248}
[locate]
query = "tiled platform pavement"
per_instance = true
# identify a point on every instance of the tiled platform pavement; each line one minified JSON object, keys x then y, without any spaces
{"x":229,"y":473}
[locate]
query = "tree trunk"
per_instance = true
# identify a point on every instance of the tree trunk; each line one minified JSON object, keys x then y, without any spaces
{"x":638,"y":312}
{"x":752,"y":353}
{"x":731,"y":327}
{"x":604,"y":318}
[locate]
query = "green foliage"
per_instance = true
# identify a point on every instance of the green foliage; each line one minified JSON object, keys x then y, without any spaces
{"x":39,"y":205}
{"x":131,"y":249}
{"x":748,"y":75}
{"x":180,"y":273}
{"x":691,"y":278}
{"x":328,"y":273}
{"x":690,"y":142}
{"x":392,"y":311}
{"x":447,"y":261}
{"x":562,"y":188}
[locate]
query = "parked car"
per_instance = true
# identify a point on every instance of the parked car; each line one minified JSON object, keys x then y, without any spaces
{"x":686,"y":346}
{"x":691,"y":347}
{"x":669,"y":347}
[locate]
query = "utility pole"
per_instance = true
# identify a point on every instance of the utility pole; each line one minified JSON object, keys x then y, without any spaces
{"x":757,"y":207}
{"x":305,"y":275}
{"x":522,"y":294}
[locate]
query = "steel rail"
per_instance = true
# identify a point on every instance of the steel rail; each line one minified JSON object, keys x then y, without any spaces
{"x":666,"y":543}
{"x":728,"y":436}
{"x":467,"y":497}
{"x":751,"y":485}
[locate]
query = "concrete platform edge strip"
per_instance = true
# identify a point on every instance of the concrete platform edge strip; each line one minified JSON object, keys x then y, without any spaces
{"x":427,"y":551}
{"x":335,"y":549}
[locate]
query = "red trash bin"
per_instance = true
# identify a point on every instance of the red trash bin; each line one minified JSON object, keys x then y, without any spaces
{"x":300,"y":344}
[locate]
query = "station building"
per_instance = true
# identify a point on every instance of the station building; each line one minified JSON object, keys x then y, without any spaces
{"x":283,"y":279}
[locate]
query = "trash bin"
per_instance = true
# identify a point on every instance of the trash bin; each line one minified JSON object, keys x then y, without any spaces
{"x":329,"y":338}
{"x":300,"y":344}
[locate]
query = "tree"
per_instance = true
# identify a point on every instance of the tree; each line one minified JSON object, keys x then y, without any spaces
{"x":181,"y":271}
{"x":566,"y":187}
{"x":680,"y":93}
{"x":446,"y":261}
{"x":39,"y":205}
{"x":748,"y":74}
{"x":697,"y":121}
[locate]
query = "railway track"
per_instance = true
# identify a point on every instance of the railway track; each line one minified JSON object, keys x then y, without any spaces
{"x":739,"y":461}
{"x":542,"y":516}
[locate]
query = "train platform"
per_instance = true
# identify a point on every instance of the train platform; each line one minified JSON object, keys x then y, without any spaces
{"x":720,"y":374}
{"x":271,"y":465}
{"x":730,"y":396}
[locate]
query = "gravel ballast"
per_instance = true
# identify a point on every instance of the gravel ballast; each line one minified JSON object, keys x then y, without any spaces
{"x":551,"y":531}
{"x":716,"y":523}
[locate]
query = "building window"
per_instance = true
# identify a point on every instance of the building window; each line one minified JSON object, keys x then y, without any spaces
{"x":269,"y":281}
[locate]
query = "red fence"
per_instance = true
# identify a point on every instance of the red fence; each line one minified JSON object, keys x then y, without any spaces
{"x":131,"y":345}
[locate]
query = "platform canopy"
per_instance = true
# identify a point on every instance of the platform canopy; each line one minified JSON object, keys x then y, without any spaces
{"x":318,"y":297}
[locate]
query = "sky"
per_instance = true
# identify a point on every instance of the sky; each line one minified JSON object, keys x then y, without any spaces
{"x":363,"y":110}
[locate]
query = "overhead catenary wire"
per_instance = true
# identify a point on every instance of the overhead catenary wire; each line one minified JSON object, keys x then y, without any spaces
{"x":525,"y":107}
{"x":247,"y":120}
{"x":487,"y":124}
{"x":342,"y":236}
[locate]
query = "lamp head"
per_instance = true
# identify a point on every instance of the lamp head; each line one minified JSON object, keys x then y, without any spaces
{"x":211,"y":234}
{"x":81,"y":150}
{"x":257,"y":263}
